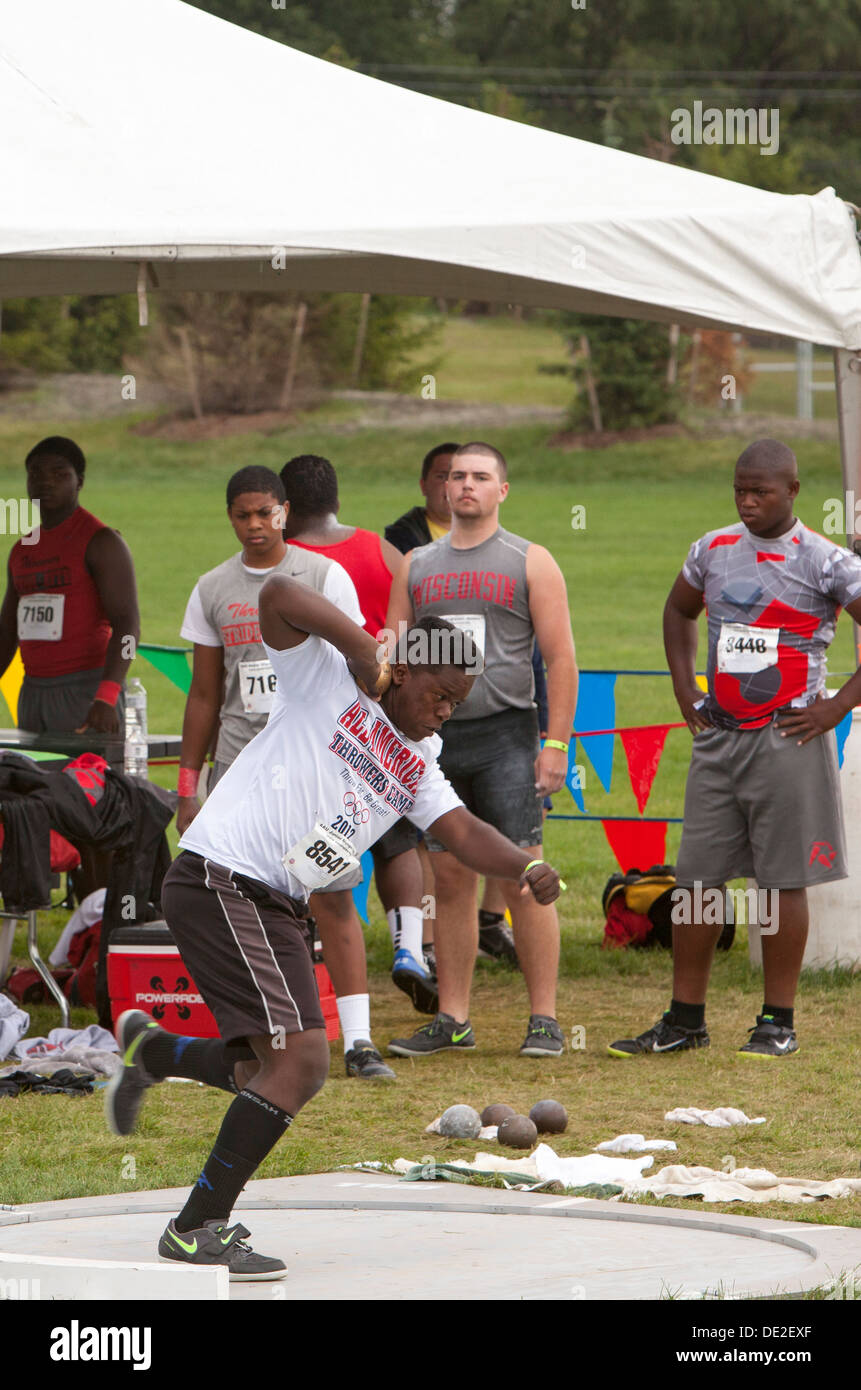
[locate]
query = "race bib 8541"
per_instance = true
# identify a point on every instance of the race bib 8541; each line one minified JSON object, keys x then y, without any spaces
{"x":320,"y":858}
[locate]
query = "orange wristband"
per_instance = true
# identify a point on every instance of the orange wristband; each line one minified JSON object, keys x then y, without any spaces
{"x":187,"y":781}
{"x":108,"y":692}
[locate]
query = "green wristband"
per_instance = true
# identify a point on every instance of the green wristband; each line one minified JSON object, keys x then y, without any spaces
{"x":554,"y":743}
{"x":531,"y":865}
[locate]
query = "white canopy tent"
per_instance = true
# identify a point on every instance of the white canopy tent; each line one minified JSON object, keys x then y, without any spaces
{"x":151,"y":131}
{"x":148,"y":143}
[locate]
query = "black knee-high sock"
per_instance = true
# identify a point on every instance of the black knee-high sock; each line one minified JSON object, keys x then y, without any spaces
{"x":251,"y":1127}
{"x":201,"y":1059}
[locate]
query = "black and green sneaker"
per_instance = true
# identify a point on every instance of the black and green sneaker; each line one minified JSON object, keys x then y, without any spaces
{"x":125,"y":1091}
{"x":213,"y":1243}
{"x":666,"y":1036}
{"x":442,"y":1034}
{"x":769,"y":1039}
{"x":544,"y":1037}
{"x":363,"y":1060}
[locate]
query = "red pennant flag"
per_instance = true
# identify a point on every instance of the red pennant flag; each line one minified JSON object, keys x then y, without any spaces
{"x":643,"y":749}
{"x":637,"y":844}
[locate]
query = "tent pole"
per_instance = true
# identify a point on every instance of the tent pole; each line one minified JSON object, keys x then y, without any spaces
{"x":847,"y":379}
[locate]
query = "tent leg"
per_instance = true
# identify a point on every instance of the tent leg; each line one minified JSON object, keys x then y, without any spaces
{"x":847,"y":379}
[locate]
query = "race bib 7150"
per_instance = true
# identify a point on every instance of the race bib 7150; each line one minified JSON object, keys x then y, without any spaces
{"x":40,"y":617}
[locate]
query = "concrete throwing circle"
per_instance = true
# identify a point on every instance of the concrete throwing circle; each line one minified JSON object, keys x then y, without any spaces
{"x":467,"y":1247}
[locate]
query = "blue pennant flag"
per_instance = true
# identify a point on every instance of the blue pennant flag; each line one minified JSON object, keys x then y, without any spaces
{"x":360,"y":892}
{"x":842,"y":732}
{"x":596,"y":709}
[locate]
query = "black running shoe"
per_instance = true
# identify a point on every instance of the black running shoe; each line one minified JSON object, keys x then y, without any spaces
{"x":213,"y":1243}
{"x":666,"y":1036}
{"x":769,"y":1039}
{"x":443,"y":1034}
{"x":544,"y":1038}
{"x":497,"y":942}
{"x":364,"y":1061}
{"x":413,"y":978}
{"x":125,"y":1092}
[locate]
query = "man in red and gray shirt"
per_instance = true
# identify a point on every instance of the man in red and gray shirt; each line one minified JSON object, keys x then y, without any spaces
{"x":763,"y":792}
{"x":71,"y":604}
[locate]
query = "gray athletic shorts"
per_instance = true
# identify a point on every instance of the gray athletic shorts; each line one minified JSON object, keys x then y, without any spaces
{"x":758,"y":806}
{"x":59,"y":704}
{"x":490,"y":763}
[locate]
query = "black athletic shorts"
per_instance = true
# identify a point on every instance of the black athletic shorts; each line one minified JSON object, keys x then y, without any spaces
{"x":244,"y":944}
{"x":490,"y":763}
{"x":400,"y":837}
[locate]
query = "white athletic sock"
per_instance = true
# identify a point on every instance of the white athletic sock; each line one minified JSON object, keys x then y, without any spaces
{"x":354,"y":1011}
{"x":405,"y":925}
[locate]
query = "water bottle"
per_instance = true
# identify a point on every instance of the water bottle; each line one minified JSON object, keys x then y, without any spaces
{"x":136,"y":706}
{"x":136,"y":748}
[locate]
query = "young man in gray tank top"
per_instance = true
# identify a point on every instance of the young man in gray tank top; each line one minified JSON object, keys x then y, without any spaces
{"x":232,"y":689}
{"x":506,"y":592}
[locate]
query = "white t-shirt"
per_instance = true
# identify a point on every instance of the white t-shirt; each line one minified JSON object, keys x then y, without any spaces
{"x":328,"y":756}
{"x":338,"y":589}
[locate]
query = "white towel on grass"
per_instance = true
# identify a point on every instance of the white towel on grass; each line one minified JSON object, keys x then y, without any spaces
{"x":633,"y":1144}
{"x":722,"y":1118}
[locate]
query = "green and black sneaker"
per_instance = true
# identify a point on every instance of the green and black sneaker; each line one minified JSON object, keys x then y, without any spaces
{"x":363,"y":1060}
{"x":769,"y":1039}
{"x":127,"y":1086}
{"x":216,"y":1244}
{"x":544,"y":1038}
{"x":442,"y":1034}
{"x":665,"y":1036}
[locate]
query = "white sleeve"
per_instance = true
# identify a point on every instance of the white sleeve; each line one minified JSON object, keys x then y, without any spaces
{"x":304,"y":672}
{"x":196,"y":627}
{"x":435,"y":797}
{"x":339,"y":589}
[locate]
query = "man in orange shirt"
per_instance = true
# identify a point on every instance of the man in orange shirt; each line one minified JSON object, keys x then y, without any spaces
{"x":311,"y":486}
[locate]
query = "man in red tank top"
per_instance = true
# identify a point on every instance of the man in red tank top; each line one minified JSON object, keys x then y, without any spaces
{"x":311,"y":487}
{"x":70,"y":604}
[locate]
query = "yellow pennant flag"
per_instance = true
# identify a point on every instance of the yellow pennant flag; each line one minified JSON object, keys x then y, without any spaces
{"x":11,"y":682}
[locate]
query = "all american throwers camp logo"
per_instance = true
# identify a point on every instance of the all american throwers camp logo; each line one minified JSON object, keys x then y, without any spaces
{"x":379,"y":757}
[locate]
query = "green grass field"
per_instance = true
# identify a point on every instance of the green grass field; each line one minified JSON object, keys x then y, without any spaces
{"x":644,"y":504}
{"x":503,"y":361}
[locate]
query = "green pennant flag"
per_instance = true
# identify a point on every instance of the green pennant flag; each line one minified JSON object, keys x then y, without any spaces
{"x":171,"y":661}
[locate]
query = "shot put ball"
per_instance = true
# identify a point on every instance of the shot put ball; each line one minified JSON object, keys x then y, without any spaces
{"x":517,"y":1132}
{"x":549,"y":1117}
{"x":495,"y":1114}
{"x":460,"y":1122}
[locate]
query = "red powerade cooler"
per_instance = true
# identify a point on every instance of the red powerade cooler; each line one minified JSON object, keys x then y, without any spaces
{"x":146,"y":971}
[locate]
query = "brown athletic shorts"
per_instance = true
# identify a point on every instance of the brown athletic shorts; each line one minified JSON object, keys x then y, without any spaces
{"x":244,"y":944}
